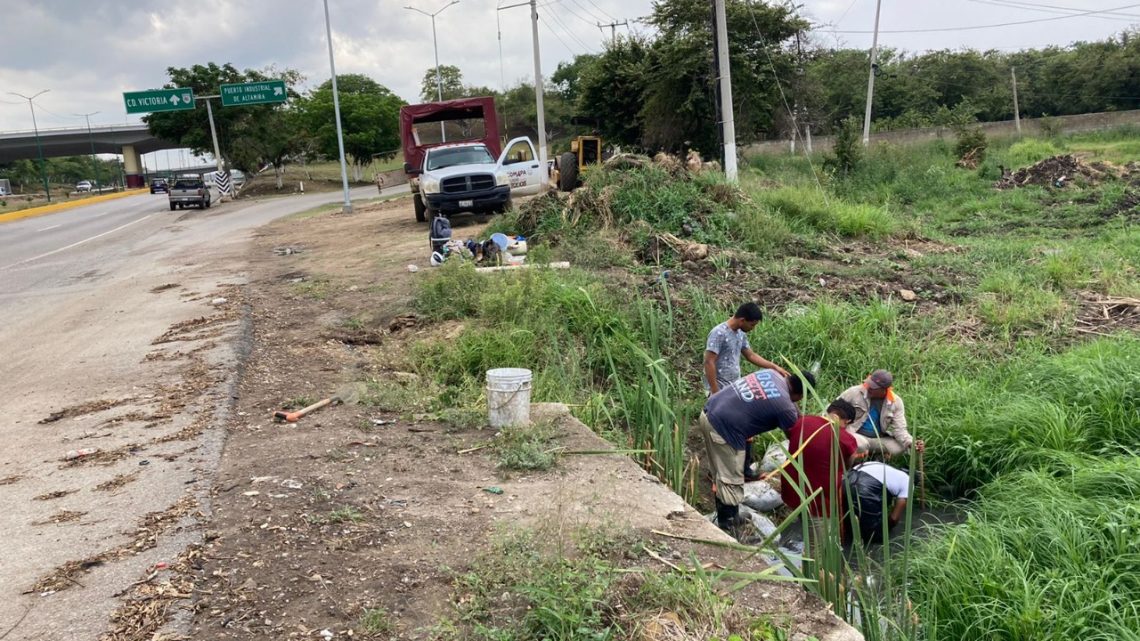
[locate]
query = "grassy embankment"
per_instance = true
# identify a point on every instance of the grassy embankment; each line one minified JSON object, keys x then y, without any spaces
{"x":1029,"y":402}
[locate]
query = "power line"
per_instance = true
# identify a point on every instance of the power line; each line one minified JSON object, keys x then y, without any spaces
{"x":586,"y":11}
{"x":1054,"y":10}
{"x":555,"y":34}
{"x":572,"y":12}
{"x":994,"y":26}
{"x":1034,"y":6}
{"x":604,"y":12}
{"x":569,"y":31}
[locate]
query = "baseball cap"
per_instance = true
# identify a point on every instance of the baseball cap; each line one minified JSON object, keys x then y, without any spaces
{"x":880,"y":379}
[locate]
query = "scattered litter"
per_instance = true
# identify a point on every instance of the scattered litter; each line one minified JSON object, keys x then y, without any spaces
{"x":413,"y":269}
{"x":407,"y":524}
{"x":251,"y":493}
{"x":220,"y":300}
{"x":292,"y":484}
{"x":161,"y":565}
{"x":261,"y":479}
{"x":494,"y":489}
{"x":286,"y":251}
{"x":144,"y":462}
{"x":383,"y":421}
{"x":78,"y":454}
{"x":326,"y":634}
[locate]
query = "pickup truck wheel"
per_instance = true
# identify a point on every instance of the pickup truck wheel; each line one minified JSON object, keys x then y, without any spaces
{"x":171,"y":206}
{"x":421,"y":209}
{"x":505,"y":207}
{"x":568,"y":171}
{"x":207,"y":203}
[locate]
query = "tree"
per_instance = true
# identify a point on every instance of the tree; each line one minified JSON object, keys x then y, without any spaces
{"x":611,"y":89}
{"x":370,"y":115}
{"x":192,"y":128}
{"x":452,"y":80}
{"x":680,"y":110}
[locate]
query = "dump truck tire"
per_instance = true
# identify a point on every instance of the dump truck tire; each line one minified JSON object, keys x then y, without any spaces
{"x":421,"y":209}
{"x":568,"y":171}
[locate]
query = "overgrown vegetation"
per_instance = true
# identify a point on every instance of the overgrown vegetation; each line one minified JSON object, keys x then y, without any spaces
{"x":531,"y":587}
{"x":1016,"y":365}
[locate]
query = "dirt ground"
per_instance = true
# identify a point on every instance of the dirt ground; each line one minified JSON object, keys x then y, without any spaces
{"x":313,"y":523}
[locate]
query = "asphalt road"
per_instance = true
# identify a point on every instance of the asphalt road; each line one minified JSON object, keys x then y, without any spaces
{"x":85,"y":296}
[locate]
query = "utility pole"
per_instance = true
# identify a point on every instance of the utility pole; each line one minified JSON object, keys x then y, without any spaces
{"x":213,"y":133}
{"x":1016,"y":110}
{"x":91,"y":139}
{"x":537,"y":79}
{"x":538,"y":89}
{"x":435,"y":44}
{"x":336,"y":112}
{"x":727,"y":123}
{"x":39,"y":145}
{"x":871,"y":76}
{"x":613,"y":29}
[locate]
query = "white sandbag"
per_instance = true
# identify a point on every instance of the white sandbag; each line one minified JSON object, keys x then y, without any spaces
{"x":763,"y":526}
{"x":761,"y":497}
{"x":774,"y":457}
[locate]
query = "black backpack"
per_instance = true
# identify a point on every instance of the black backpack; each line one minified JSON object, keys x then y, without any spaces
{"x":440,"y":232}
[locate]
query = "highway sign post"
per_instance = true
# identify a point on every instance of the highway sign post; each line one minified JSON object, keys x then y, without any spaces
{"x":156,"y":100}
{"x":254,"y":93}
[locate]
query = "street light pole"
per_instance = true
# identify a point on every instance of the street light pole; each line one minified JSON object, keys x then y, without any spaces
{"x":91,"y":139}
{"x":39,"y":145}
{"x":336,"y":113}
{"x":435,"y":45}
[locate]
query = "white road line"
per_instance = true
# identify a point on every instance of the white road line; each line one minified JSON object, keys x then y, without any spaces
{"x":49,"y":228}
{"x":73,"y":245}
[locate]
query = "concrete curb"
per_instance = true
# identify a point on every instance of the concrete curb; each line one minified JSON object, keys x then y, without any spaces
{"x":32,"y":212}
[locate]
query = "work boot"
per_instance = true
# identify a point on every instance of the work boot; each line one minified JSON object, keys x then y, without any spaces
{"x":728,"y":519}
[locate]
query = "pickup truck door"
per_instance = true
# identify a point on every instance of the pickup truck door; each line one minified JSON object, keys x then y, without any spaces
{"x":520,"y":162}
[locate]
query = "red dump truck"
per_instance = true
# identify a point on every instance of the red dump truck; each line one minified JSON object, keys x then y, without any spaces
{"x":455,"y":161}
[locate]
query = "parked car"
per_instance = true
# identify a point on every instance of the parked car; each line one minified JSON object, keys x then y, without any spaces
{"x":159,"y":186}
{"x":83,"y":185}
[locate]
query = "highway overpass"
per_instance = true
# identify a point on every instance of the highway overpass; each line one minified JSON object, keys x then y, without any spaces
{"x":129,"y":140}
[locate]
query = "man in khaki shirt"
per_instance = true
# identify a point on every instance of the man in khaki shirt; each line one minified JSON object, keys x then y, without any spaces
{"x":880,"y":418}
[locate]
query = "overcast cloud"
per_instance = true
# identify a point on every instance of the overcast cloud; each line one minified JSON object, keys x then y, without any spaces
{"x":87,"y":52}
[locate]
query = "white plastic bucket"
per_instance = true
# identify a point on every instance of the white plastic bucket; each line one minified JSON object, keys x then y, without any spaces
{"x":508,"y":396}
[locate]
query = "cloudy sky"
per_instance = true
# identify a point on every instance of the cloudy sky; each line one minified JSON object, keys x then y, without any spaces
{"x":87,"y":52}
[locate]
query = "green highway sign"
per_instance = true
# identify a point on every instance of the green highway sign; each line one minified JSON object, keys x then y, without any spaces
{"x":254,"y":93}
{"x":141,"y":102}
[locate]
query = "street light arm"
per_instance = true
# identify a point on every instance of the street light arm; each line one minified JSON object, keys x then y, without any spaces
{"x":419,"y":11}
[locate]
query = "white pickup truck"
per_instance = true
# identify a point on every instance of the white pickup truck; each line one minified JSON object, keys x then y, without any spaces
{"x":465,"y":177}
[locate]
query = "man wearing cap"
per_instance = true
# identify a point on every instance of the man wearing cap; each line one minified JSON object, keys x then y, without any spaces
{"x":757,"y":403}
{"x":880,"y":419}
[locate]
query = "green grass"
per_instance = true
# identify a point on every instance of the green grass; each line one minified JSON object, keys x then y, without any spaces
{"x":375,"y":621}
{"x":530,"y":586}
{"x":526,"y":448}
{"x":1044,"y":555}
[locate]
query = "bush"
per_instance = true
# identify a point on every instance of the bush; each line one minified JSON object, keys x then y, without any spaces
{"x":971,"y":143}
{"x":847,"y":154}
